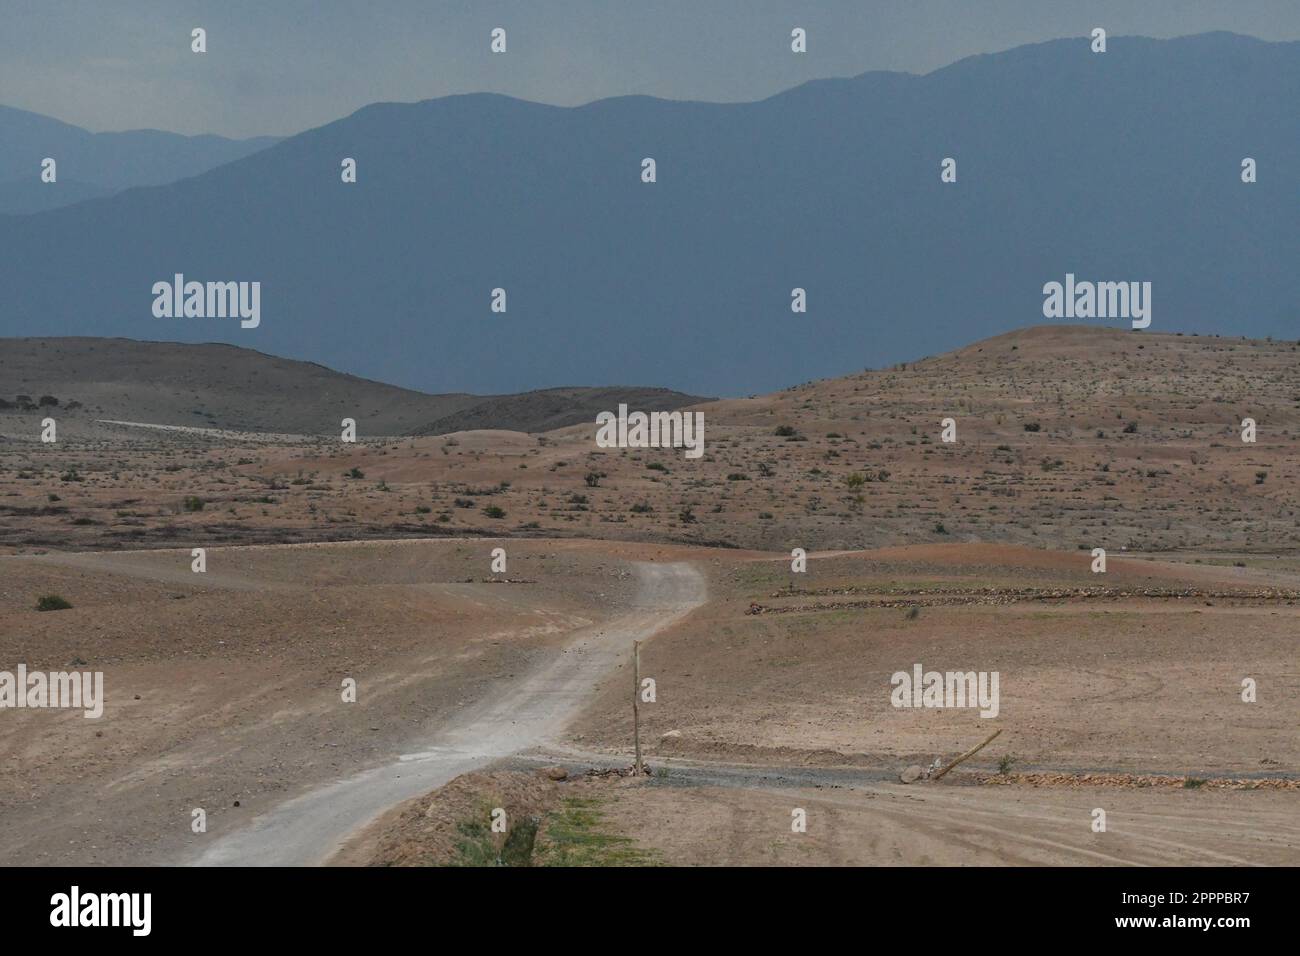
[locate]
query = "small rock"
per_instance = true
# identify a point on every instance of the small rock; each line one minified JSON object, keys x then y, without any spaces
{"x":555,"y":773}
{"x":911,"y":774}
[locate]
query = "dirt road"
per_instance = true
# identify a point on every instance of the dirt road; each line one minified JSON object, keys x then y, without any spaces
{"x":309,"y":829}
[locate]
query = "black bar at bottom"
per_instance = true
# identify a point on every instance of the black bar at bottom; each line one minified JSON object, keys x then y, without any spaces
{"x":634,"y":906}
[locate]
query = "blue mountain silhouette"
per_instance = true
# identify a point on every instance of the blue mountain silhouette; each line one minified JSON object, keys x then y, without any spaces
{"x":1117,"y":166}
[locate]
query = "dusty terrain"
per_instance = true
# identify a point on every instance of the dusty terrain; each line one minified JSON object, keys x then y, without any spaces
{"x":325,"y":561}
{"x":1102,"y":694}
{"x":225,"y":686}
{"x":1066,"y":438}
{"x":1118,"y":681}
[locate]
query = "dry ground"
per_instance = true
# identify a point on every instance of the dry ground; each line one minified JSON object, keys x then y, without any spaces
{"x":1067,"y":438}
{"x":678,"y":821}
{"x":1138,"y":684}
{"x":226,"y":686}
{"x":237,"y":676}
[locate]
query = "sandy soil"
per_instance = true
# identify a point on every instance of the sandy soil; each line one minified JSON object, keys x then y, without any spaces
{"x":225,"y":687}
{"x":371,"y":561}
{"x":1130,"y":683}
{"x":894,"y":825}
{"x":518,"y":713}
{"x":705,"y":815}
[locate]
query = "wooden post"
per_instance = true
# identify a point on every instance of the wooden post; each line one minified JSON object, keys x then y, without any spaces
{"x":970,"y":753}
{"x":636,"y":693}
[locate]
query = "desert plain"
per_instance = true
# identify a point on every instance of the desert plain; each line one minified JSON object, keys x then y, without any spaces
{"x":772,"y":736}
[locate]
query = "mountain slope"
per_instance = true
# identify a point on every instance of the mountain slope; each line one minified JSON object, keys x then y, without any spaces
{"x":1123,"y":166}
{"x":98,"y":164}
{"x":220,"y":386}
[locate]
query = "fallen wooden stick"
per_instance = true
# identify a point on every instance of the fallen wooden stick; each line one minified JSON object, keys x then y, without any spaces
{"x":970,"y":753}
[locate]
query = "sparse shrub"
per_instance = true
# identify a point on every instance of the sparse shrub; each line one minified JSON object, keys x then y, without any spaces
{"x":939,"y":528}
{"x":1131,"y":428}
{"x":355,"y":473}
{"x":641,"y":508}
{"x":1260,"y":477}
{"x":784,"y":431}
{"x":193,"y":503}
{"x":52,"y":602}
{"x":593,"y":479}
{"x":494,"y":511}
{"x":1033,"y":427}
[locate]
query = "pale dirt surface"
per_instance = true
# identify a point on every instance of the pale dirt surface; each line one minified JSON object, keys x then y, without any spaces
{"x":940,"y":825}
{"x":238,"y":682}
{"x":704,"y":814}
{"x":1133,"y":684}
{"x":518,"y":715}
{"x":239,"y":690}
{"x":370,"y":561}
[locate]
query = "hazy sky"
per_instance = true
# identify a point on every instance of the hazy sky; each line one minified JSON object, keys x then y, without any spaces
{"x":281,"y":66}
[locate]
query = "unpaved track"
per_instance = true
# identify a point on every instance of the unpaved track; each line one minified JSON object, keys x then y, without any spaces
{"x":307,"y":830}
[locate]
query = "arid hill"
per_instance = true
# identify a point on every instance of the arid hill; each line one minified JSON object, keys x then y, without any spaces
{"x":1066,"y":437}
{"x":226,"y":387}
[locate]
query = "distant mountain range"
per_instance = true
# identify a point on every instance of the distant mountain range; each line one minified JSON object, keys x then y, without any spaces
{"x":90,"y":165}
{"x":1121,"y":166}
{"x":224,"y":387}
